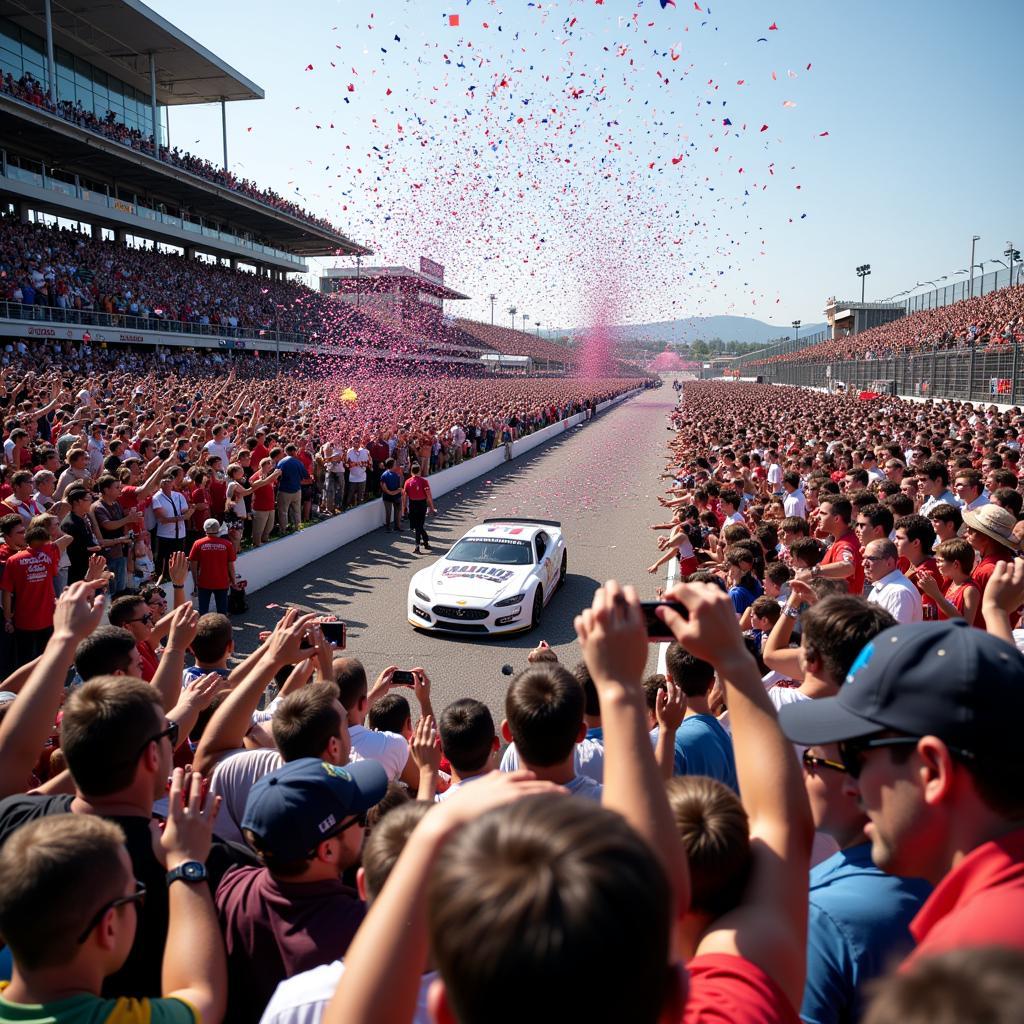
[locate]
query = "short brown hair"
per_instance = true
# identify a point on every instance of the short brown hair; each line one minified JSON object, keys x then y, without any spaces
{"x":716,"y":834}
{"x":546,"y":875}
{"x":213,"y":637}
{"x":386,"y":842}
{"x":807,"y":549}
{"x":306,"y":721}
{"x":985,"y":983}
{"x":103,"y":731}
{"x":544,"y":708}
{"x":956,"y":549}
{"x":55,"y":873}
{"x":838,"y":627}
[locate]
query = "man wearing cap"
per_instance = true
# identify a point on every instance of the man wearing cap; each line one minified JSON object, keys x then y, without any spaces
{"x":989,"y":530}
{"x":306,"y":822}
{"x":927,"y":726}
{"x":212,"y":563}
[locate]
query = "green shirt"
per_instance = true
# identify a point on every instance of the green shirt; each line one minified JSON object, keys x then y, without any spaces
{"x":88,"y":1009}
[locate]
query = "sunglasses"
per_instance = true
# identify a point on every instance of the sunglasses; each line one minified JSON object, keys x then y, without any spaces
{"x":138,"y":897}
{"x":171,"y":732}
{"x":817,"y":763}
{"x":147,"y":618}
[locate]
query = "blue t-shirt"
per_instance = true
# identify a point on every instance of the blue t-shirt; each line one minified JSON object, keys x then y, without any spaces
{"x":293,"y":473}
{"x":858,"y":925}
{"x":703,"y":747}
{"x":392,"y":481}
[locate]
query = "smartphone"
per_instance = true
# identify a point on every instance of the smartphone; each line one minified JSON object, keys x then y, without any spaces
{"x":401,"y":677}
{"x":656,"y":629}
{"x":334,"y":633}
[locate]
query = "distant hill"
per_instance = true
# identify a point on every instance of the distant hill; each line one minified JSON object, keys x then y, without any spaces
{"x":729,"y":328}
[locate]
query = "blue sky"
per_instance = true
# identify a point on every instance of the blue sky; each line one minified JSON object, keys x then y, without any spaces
{"x":562,"y":213}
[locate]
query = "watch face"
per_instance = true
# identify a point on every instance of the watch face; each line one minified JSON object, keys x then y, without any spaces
{"x":193,"y":870}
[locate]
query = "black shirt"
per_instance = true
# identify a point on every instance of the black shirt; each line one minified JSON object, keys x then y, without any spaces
{"x":80,"y":529}
{"x":140,"y":974}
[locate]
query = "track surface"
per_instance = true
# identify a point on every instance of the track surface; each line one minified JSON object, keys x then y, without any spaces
{"x":600,"y":480}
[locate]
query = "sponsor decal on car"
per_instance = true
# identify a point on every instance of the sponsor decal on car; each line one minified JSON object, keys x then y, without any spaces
{"x":477,"y":572}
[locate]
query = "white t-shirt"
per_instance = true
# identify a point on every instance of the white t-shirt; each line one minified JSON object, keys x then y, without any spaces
{"x":795,"y":504}
{"x":775,"y":475}
{"x":173,"y":504}
{"x":303,"y":998}
{"x":221,"y":449}
{"x":588,"y":759}
{"x":232,"y":778}
{"x":388,"y":748}
{"x":359,"y":459}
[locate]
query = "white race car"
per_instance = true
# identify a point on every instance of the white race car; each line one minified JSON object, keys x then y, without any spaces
{"x":496,"y":579}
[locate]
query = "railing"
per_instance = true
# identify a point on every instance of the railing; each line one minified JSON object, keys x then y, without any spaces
{"x":130,"y":322}
{"x":988,"y":375}
{"x":74,"y":190}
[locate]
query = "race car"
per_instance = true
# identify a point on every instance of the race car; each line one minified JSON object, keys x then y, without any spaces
{"x":496,"y":579}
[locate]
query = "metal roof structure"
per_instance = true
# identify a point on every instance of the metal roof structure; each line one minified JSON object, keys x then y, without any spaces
{"x":117,"y":36}
{"x":367,"y":279}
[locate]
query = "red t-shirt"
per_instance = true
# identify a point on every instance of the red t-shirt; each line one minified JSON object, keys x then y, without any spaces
{"x":981,"y":575}
{"x":847,"y":549}
{"x":262,"y":497}
{"x":28,"y":575}
{"x":727,"y":989}
{"x":307,"y":460}
{"x":929,"y":567}
{"x":199,"y":496}
{"x":150,"y":662}
{"x":417,"y":488}
{"x":979,"y":903}
{"x":213,"y":555}
{"x":954,"y":594}
{"x":379,"y":452}
{"x":259,"y":453}
{"x":218,"y":496}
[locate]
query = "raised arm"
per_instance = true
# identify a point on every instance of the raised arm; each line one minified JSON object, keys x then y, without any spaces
{"x":31,"y":717}
{"x":614,"y":642}
{"x":777,"y":653}
{"x":769,"y":927}
{"x":183,"y":623}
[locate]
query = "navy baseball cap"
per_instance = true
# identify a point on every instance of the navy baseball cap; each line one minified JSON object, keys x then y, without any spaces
{"x":294,"y":809}
{"x":944,"y":679}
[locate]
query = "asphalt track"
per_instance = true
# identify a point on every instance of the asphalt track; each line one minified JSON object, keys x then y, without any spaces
{"x":600,"y":480}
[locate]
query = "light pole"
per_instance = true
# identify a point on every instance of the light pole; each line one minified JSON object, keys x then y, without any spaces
{"x":1011,"y":254}
{"x":493,"y":298}
{"x":862,"y":272}
{"x":974,"y":238}
{"x":512,"y":313}
{"x":359,"y":263}
{"x":524,"y":315}
{"x":536,"y":323}
{"x":796,"y":327}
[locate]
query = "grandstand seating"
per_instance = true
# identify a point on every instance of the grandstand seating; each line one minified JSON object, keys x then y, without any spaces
{"x":516,"y":343}
{"x":29,"y":90}
{"x":983,"y":323}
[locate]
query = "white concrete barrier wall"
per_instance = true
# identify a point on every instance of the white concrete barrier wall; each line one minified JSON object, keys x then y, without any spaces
{"x":265,"y":565}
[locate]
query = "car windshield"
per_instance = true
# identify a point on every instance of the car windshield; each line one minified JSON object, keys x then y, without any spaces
{"x":492,"y":551}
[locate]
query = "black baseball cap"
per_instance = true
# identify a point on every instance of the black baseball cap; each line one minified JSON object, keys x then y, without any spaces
{"x":944,"y":679}
{"x":294,"y":809}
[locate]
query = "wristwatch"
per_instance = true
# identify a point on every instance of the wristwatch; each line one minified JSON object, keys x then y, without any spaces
{"x":190,"y":871}
{"x":791,"y":613}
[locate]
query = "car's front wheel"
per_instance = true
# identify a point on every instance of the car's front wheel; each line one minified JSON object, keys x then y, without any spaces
{"x":538,"y":608}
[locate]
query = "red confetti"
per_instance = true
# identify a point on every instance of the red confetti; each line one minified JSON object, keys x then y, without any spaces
{"x":453,"y":21}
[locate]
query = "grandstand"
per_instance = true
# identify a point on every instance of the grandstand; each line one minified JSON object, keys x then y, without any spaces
{"x":542,"y":355}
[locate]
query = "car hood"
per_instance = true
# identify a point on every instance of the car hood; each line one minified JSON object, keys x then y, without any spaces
{"x":472,"y":580}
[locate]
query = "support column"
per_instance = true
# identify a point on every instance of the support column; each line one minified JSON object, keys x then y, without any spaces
{"x":51,"y":66}
{"x":190,"y":252}
{"x":224,"y":129}
{"x":152,"y":104}
{"x":23,"y":212}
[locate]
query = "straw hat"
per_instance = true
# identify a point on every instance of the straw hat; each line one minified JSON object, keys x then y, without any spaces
{"x":994,"y":522}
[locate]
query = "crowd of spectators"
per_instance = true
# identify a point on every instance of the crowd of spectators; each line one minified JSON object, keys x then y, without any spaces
{"x":714,"y":843}
{"x":30,"y":90}
{"x":983,"y":323}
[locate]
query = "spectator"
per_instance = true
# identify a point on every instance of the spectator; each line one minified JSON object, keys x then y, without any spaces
{"x":943,"y":700}
{"x":468,"y":740}
{"x":959,"y":595}
{"x":305,"y":820}
{"x":890,"y":589}
{"x":29,"y":596}
{"x":291,"y":473}
{"x":212,"y":564}
{"x":172,"y":512}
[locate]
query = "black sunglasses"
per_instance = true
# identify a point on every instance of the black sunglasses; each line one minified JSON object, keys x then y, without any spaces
{"x":359,"y":819}
{"x":817,"y":763}
{"x":171,"y":732}
{"x":139,"y":897}
{"x":851,"y":752}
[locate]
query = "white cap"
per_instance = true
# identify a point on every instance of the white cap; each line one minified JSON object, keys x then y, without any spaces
{"x":211,"y":526}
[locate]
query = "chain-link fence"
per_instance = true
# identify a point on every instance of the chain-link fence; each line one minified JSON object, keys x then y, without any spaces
{"x":992,"y":375}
